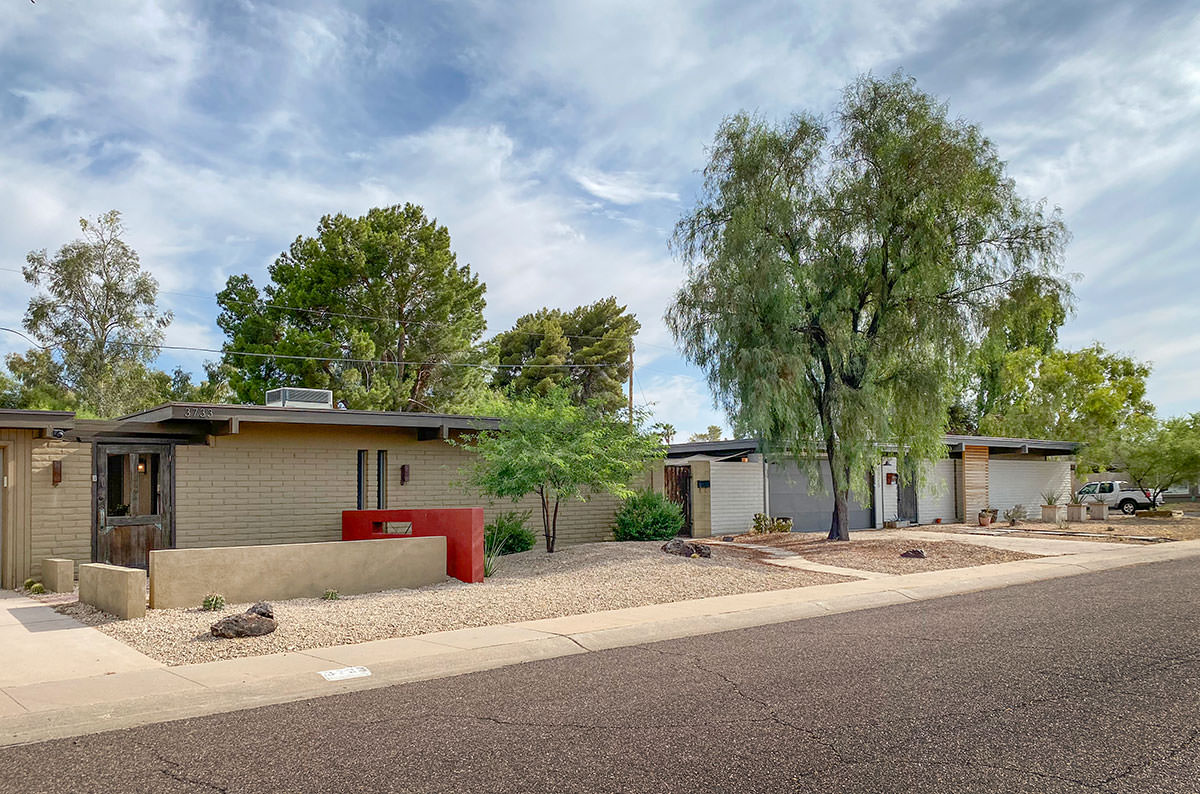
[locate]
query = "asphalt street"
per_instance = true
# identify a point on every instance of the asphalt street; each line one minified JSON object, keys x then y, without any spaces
{"x":1080,"y":684}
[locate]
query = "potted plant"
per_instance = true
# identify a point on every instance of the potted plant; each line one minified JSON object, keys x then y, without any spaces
{"x":1075,"y":507}
{"x":1052,"y":511}
{"x":986,"y":516}
{"x":1098,"y":509}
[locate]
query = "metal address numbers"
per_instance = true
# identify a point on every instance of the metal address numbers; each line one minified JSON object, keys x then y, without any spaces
{"x":198,"y":413}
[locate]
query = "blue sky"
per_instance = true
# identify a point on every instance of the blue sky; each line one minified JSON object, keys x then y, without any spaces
{"x":560,"y":141}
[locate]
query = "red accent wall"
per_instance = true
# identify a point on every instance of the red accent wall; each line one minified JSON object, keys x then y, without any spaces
{"x":462,"y":528}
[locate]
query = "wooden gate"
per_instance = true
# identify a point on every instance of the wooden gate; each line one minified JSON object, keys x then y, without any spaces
{"x":677,"y":484}
{"x":134,"y":502}
{"x":906,"y":495}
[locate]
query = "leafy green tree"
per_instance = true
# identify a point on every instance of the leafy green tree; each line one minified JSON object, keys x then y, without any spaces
{"x":35,"y":381}
{"x":1022,"y":322}
{"x":1157,"y":455}
{"x":836,"y":275}
{"x":587,"y":347}
{"x":1089,"y":395}
{"x":98,"y":317}
{"x":713,"y":433}
{"x":376,"y":308}
{"x":551,"y":446}
{"x":666,"y":430}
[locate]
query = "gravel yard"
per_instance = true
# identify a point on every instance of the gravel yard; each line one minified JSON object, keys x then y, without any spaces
{"x":528,"y":586}
{"x":879,"y":552}
{"x":1116,"y":528}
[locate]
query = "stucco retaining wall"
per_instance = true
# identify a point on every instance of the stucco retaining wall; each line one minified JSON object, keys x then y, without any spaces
{"x":180,"y":578}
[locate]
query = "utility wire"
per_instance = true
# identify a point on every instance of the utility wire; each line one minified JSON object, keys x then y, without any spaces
{"x":326,"y":358}
{"x":350,"y":316}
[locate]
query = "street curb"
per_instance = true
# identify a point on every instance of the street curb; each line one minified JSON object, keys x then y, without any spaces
{"x":233,"y":685}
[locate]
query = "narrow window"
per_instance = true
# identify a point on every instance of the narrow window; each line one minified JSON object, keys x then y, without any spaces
{"x":362,"y":479}
{"x":381,"y":480}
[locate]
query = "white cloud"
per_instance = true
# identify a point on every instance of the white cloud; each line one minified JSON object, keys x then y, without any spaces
{"x":621,"y":188}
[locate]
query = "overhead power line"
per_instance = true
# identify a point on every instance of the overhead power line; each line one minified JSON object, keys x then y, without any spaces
{"x":343,"y":360}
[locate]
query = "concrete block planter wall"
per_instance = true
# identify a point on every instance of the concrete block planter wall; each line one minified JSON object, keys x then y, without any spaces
{"x":1054,"y":514}
{"x":116,"y":590}
{"x":58,"y":575}
{"x":1076,"y":512}
{"x":1098,"y":511}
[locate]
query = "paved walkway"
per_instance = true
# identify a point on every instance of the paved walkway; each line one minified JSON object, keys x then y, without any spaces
{"x":116,"y":687}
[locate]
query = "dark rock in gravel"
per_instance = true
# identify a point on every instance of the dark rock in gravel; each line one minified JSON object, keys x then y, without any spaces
{"x":262,"y":608}
{"x":727,"y":538}
{"x":685,"y":549}
{"x":245,"y":625}
{"x":918,"y":553}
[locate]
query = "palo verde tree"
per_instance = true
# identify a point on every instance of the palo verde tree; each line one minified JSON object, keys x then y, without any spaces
{"x":375,"y":308}
{"x":836,"y":271}
{"x":97,"y":322}
{"x":587,"y":347}
{"x":551,"y":446}
{"x":1156,"y":455}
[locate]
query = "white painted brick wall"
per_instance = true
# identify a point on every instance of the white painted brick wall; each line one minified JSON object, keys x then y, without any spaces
{"x":737,"y":494}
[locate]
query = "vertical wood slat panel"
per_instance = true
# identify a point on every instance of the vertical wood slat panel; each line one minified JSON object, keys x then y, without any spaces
{"x":18,"y":498}
{"x":974,"y":482}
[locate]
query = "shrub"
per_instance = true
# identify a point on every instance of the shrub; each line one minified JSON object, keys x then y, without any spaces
{"x":1016,"y":513}
{"x":764,"y":524}
{"x":212,"y":602}
{"x":29,"y":583}
{"x":37,"y":588}
{"x":331,"y":595}
{"x":507,"y":533}
{"x":648,"y":516}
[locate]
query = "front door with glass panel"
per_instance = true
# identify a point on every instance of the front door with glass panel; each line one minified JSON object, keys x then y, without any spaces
{"x":134,"y":503}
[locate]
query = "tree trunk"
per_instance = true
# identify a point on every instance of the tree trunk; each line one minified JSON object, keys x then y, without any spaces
{"x":546,"y":527}
{"x":554,"y":525}
{"x":839,"y":527}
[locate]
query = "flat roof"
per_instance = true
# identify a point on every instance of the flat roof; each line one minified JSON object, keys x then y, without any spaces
{"x":183,"y":414}
{"x":31,"y":419}
{"x":954,"y":441}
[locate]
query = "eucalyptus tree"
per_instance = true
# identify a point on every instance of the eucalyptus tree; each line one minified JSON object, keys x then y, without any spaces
{"x":97,"y":322}
{"x":837,"y":271}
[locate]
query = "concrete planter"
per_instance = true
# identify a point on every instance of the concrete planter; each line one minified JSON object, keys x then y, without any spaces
{"x":1098,"y":511}
{"x":1054,"y":514}
{"x":1076,"y":513}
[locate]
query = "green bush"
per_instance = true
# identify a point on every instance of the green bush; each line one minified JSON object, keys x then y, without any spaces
{"x":37,"y":588}
{"x":212,"y":602}
{"x":764,"y":524}
{"x":29,"y":583}
{"x":506,"y":534}
{"x":648,"y":516}
{"x":331,"y":595}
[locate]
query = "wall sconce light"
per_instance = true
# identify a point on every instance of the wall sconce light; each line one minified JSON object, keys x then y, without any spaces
{"x":141,"y":467}
{"x":891,"y":478}
{"x":56,"y":472}
{"x":403,"y":473}
{"x":745,"y":459}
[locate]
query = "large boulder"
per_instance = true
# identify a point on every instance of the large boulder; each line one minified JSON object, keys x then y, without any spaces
{"x":249,"y":624}
{"x":685,"y":549}
{"x":262,"y":608}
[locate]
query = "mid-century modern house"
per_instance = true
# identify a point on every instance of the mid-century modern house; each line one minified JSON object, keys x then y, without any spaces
{"x":725,"y":482}
{"x":191,"y":476}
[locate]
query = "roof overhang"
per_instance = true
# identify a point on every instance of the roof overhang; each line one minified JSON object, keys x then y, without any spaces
{"x":956,"y":443}
{"x":44,"y":421}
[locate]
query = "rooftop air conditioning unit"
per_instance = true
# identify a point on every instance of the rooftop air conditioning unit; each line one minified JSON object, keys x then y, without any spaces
{"x":300,"y":398}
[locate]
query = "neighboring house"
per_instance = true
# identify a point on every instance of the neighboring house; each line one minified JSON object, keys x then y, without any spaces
{"x":729,"y":481}
{"x":185,"y":476}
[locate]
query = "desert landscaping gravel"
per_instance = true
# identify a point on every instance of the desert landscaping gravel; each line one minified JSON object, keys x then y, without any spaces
{"x":528,"y":586}
{"x":880,"y":551}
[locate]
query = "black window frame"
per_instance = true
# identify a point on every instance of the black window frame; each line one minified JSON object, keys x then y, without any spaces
{"x":381,"y":479}
{"x":362,"y":479}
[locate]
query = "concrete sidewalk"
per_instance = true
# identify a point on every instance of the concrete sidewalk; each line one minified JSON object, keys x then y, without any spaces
{"x":148,"y":692}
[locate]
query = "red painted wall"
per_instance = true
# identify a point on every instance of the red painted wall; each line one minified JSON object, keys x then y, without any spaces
{"x":462,"y":527}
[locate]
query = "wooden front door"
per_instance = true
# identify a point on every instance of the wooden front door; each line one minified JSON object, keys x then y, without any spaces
{"x":677,"y":482}
{"x":135,"y":502}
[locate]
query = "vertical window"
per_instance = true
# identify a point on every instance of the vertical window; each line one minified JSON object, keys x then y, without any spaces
{"x":381,"y":501}
{"x":362,"y":479}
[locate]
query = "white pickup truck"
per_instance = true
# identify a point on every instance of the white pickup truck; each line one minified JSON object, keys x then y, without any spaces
{"x":1117,"y":494}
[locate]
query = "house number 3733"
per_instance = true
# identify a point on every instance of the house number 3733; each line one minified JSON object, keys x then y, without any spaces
{"x":198,"y":413}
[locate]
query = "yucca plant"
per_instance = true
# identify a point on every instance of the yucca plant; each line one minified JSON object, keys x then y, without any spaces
{"x":331,"y":595}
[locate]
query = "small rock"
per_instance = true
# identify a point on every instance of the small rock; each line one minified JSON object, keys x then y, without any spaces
{"x":249,"y":624}
{"x":727,"y":538}
{"x":262,"y":608}
{"x":918,"y":553}
{"x":685,"y":549}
